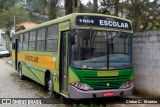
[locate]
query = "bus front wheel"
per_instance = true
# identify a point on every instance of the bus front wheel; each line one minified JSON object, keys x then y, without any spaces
{"x":20,"y":72}
{"x":50,"y":85}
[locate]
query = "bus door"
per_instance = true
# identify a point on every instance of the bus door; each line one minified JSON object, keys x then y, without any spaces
{"x":64,"y":63}
{"x":16,"y":54}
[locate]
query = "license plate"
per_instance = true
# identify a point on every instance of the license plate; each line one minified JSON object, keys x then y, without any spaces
{"x":107,"y":73}
{"x":105,"y":94}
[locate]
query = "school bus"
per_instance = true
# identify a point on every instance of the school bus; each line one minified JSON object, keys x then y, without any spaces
{"x":81,"y":55}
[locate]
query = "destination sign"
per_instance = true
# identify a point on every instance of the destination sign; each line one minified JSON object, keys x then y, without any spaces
{"x":101,"y":21}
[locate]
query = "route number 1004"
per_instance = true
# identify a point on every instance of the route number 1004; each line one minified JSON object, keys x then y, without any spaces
{"x":86,"y":21}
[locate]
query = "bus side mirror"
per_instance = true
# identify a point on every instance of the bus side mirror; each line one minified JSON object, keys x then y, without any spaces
{"x":71,"y":38}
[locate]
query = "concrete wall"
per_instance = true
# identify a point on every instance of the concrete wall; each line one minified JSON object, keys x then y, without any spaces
{"x":1,"y":38}
{"x":146,"y":62}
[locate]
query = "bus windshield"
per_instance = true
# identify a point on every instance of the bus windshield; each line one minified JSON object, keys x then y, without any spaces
{"x":95,"y":49}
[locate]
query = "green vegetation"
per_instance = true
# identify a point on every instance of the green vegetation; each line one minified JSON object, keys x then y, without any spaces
{"x":7,"y":16}
{"x":143,"y":13}
{"x":5,"y":4}
{"x":52,"y":7}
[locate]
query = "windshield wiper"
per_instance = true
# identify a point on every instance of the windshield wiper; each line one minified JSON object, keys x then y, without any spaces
{"x":72,"y":28}
{"x":117,"y":36}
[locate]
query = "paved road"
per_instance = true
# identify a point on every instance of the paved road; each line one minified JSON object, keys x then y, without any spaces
{"x":12,"y":87}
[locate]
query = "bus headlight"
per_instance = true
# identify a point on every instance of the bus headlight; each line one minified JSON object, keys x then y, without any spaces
{"x":82,"y":86}
{"x":127,"y":84}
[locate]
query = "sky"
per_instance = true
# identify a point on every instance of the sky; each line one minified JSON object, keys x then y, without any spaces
{"x":86,"y":1}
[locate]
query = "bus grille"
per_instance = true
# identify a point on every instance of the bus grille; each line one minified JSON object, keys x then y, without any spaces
{"x":112,"y":82}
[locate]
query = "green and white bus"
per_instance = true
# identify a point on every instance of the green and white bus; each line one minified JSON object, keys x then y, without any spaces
{"x":81,"y":55}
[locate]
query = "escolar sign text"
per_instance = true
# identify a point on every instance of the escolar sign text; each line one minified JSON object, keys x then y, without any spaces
{"x":102,"y":21}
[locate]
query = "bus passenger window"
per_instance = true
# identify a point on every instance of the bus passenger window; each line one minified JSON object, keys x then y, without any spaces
{"x":40,"y":46}
{"x":52,"y":38}
{"x":32,"y":40}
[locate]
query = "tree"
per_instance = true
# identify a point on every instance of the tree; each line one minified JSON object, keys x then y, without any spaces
{"x":154,"y":14}
{"x":95,"y":6}
{"x":37,"y":6}
{"x":7,"y":16}
{"x":107,"y":7}
{"x":116,"y":7}
{"x":37,"y":10}
{"x":4,"y":4}
{"x":81,"y":7}
{"x":74,"y":6}
{"x":70,"y":6}
{"x":88,"y":8}
{"x":52,"y":9}
{"x":143,"y":13}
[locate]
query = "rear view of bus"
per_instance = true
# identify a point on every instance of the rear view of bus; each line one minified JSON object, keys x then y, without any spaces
{"x":99,"y":56}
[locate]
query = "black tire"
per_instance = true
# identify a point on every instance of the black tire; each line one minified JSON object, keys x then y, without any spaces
{"x":20,"y":75}
{"x":50,"y":85}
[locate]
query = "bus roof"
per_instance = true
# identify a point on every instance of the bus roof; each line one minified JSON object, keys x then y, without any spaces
{"x":67,"y":18}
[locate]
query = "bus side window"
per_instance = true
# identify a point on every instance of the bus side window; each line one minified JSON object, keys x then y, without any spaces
{"x":52,"y":38}
{"x":20,"y":42}
{"x":25,"y":40}
{"x":40,"y":45}
{"x":32,"y":40}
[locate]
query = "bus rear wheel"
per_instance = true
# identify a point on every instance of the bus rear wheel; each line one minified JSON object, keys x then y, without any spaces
{"x":50,"y":85}
{"x":20,"y":75}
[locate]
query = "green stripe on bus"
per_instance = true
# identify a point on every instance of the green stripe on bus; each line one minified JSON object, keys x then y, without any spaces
{"x":31,"y":70}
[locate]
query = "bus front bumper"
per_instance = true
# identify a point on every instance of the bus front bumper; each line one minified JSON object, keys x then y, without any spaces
{"x":79,"y":94}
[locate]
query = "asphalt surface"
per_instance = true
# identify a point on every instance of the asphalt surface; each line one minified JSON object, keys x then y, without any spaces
{"x":12,"y":87}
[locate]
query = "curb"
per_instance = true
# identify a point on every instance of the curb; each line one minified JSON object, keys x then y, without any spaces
{"x":9,"y":63}
{"x":6,"y":61}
